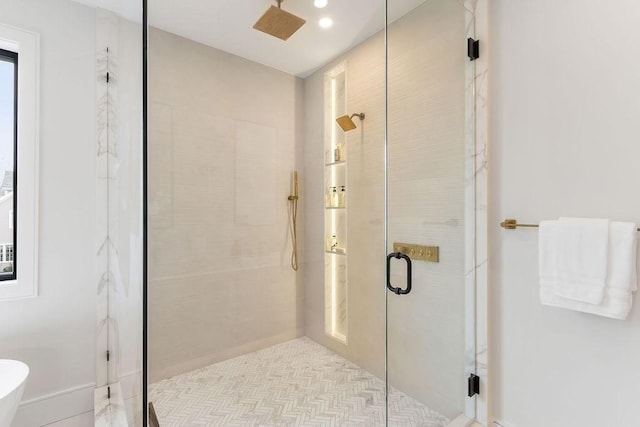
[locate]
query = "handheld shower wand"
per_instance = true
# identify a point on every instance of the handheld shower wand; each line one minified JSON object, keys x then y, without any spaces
{"x":293,"y":199}
{"x":294,"y":188}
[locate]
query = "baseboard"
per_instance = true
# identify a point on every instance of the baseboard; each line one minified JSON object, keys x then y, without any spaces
{"x":55,"y":407}
{"x":83,"y":420}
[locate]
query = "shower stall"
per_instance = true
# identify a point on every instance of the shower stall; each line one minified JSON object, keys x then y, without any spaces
{"x":257,"y":212}
{"x":316,"y":226}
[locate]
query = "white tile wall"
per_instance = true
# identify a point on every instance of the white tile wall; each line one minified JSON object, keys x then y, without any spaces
{"x":255,"y":178}
{"x":223,"y":137}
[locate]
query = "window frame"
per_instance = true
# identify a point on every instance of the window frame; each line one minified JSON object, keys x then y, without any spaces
{"x":26,"y":171}
{"x":13,"y":58}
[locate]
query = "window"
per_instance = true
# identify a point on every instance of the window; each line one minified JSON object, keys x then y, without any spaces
{"x":19,"y":129}
{"x":8,"y":159}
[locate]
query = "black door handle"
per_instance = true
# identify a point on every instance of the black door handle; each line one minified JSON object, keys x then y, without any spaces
{"x":398,"y":291}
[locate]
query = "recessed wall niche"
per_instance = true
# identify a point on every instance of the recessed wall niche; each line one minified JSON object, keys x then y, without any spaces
{"x":335,"y":205}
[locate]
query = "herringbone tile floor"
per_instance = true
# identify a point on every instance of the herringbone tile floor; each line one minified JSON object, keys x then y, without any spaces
{"x":297,"y":383}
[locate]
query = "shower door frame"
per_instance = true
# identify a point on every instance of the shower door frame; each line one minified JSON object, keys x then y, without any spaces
{"x":145,"y":214}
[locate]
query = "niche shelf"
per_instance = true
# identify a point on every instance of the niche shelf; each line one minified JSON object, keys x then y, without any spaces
{"x":339,"y":162}
{"x":336,"y":253}
{"x":335,"y":228}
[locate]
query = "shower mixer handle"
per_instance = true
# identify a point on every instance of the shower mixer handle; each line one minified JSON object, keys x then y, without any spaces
{"x":399,"y":291}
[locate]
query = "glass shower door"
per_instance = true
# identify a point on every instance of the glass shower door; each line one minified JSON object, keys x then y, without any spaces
{"x":429,"y":213}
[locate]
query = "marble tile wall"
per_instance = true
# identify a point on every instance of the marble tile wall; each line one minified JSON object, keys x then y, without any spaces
{"x":224,"y":135}
{"x":478,"y":16}
{"x":119,"y":220}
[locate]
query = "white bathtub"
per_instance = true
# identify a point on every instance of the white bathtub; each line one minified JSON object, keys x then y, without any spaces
{"x":13,"y":377}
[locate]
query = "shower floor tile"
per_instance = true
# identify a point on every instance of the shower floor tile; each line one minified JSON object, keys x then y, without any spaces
{"x":297,"y":383}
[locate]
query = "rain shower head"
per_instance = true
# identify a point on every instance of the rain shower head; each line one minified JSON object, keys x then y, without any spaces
{"x":347,"y":123}
{"x":278,"y":23}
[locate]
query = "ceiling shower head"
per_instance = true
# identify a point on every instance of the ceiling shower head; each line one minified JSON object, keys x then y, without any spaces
{"x":278,"y":23}
{"x":347,"y":123}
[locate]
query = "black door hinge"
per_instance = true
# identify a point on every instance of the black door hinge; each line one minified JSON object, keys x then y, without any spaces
{"x":108,"y":354}
{"x":108,"y":392}
{"x":107,"y":77}
{"x":473,"y":49}
{"x":473,"y":385}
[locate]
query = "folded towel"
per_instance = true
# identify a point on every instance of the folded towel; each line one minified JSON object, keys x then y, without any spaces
{"x":621,"y":271}
{"x":634,"y":263}
{"x":582,"y":259}
{"x":622,"y":256}
{"x":548,"y":255}
{"x":616,"y":304}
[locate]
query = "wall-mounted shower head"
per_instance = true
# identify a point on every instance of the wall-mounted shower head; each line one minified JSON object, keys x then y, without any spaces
{"x":278,"y":23}
{"x":347,"y":123}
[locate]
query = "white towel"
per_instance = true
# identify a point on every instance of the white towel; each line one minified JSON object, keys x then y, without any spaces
{"x":621,"y":272}
{"x":622,"y":256}
{"x":582,"y":259}
{"x":548,"y":256}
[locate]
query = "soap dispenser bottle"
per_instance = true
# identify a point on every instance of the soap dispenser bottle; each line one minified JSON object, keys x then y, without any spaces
{"x":338,"y":153}
{"x":329,"y":197}
{"x":335,"y":202}
{"x":342,"y":196}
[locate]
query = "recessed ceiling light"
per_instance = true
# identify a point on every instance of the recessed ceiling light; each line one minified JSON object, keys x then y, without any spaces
{"x":320,"y":3}
{"x":326,"y":23}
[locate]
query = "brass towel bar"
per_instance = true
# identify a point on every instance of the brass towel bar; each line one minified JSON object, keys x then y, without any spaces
{"x":512,"y":224}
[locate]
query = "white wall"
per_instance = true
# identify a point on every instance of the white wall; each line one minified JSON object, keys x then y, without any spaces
{"x":565,"y":141}
{"x":55,"y":332}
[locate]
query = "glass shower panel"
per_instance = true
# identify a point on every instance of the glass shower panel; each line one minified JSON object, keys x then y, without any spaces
{"x":233,"y":111}
{"x":118,"y":398}
{"x":428,"y":211}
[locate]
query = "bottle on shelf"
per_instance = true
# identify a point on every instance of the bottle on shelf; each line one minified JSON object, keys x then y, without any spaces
{"x":338,"y":153}
{"x":332,"y":243}
{"x":335,"y":202}
{"x":342,"y":196}
{"x":330,"y":198}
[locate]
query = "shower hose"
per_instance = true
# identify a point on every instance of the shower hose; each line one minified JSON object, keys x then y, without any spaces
{"x":294,"y":237}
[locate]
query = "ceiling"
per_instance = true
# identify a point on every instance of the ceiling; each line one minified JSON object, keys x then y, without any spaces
{"x":228,"y":25}
{"x":130,"y":9}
